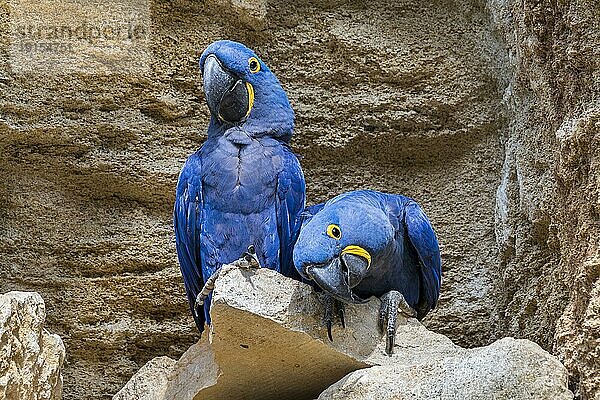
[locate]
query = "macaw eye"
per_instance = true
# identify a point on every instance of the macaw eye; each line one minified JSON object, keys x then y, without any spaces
{"x":254,"y":65}
{"x":334,"y":231}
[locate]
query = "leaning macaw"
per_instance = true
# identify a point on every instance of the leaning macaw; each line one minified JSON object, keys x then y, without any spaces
{"x":367,"y":243}
{"x":244,"y":186}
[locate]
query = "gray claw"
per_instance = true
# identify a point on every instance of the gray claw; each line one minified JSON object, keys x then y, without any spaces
{"x":206,"y":290}
{"x":199,"y":303}
{"x":341,"y":313}
{"x":391,"y":302}
{"x":248,"y":260}
{"x":331,"y":306}
{"x":391,"y":332}
{"x":328,"y":317}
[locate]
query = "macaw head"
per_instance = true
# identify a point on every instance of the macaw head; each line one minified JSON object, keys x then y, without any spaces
{"x":242,"y":93}
{"x":339,"y":246}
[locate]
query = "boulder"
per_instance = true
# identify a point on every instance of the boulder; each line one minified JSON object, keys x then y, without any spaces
{"x":30,"y":357}
{"x":267,"y":341}
{"x":507,"y":369}
{"x":150,"y":382}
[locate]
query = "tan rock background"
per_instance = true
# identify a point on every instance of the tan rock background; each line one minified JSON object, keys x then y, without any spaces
{"x":486,"y":113}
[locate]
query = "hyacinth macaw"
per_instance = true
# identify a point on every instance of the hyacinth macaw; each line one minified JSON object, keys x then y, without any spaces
{"x":244,"y":186}
{"x":367,"y":243}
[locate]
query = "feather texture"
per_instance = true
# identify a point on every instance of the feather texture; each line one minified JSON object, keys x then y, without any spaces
{"x":243,"y":187}
{"x":395,"y":232}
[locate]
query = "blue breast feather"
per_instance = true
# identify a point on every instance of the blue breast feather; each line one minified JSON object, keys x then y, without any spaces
{"x":229,"y":197}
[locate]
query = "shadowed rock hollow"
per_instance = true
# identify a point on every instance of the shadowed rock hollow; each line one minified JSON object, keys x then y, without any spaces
{"x":485,"y":113}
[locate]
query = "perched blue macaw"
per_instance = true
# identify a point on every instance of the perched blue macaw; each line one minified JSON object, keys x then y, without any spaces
{"x":367,"y":243}
{"x":244,"y":186}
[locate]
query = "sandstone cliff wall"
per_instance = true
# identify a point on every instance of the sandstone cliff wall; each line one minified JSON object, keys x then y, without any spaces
{"x":484,"y":113}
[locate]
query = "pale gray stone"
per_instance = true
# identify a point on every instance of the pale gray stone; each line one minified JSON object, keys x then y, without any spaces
{"x":31,"y":358}
{"x":267,"y":341}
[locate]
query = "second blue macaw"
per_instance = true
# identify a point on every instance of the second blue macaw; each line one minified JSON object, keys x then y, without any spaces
{"x":367,"y":243}
{"x":244,"y":186}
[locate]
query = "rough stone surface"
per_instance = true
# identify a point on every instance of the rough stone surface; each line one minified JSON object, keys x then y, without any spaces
{"x":268,"y":342}
{"x":264,"y":330}
{"x":194,"y":371}
{"x":163,"y":378}
{"x":30,"y":358}
{"x":486,"y":112}
{"x":506,"y":369}
{"x":548,"y":202}
{"x":150,"y":382}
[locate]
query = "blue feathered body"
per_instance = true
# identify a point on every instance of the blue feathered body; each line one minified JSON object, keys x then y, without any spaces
{"x":393,"y":228}
{"x":243,"y":187}
{"x":239,"y":188}
{"x":238,"y":195}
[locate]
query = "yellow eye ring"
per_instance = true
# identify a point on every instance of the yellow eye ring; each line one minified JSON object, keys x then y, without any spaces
{"x":254,"y":65}
{"x":334,"y":231}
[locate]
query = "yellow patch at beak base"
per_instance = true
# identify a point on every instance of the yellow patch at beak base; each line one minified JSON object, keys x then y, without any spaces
{"x":358,"y":251}
{"x":250,"y":97}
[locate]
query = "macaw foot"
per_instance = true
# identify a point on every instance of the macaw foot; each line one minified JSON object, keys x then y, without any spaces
{"x":331,"y":306}
{"x":392,"y":302}
{"x":248,"y":260}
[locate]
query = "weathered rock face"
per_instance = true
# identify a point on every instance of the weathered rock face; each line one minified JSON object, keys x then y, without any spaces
{"x":394,"y":96}
{"x":30,"y":358}
{"x":468,"y":107}
{"x":548,"y":204}
{"x":151,"y":381}
{"x":506,"y":369}
{"x":268,"y":342}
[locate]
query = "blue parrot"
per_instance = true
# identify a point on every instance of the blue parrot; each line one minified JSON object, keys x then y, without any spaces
{"x":244,"y":186}
{"x":366,"y":243}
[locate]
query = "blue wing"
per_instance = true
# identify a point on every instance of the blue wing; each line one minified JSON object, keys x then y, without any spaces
{"x":291,"y":193}
{"x":422,"y":237}
{"x":309,"y":212}
{"x":187,"y":220}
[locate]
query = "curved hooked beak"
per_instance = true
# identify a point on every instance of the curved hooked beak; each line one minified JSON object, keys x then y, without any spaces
{"x":228,"y":97}
{"x":341,"y":274}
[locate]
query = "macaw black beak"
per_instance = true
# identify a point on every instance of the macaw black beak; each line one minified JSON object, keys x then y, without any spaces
{"x":355,"y":267}
{"x":228,"y":97}
{"x":335,"y":278}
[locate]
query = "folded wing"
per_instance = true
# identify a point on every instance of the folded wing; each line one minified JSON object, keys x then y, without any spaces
{"x":187,"y":220}
{"x":422,"y":237}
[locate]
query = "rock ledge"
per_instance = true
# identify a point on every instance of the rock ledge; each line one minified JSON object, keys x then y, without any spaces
{"x":267,"y":342}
